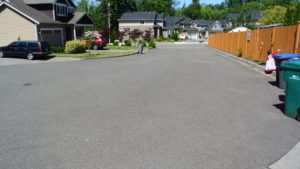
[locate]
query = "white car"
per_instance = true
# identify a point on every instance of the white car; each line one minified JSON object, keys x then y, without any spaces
{"x":182,"y":36}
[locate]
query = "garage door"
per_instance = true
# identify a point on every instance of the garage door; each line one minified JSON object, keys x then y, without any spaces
{"x":54,"y":37}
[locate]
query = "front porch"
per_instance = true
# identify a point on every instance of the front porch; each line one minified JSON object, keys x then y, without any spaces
{"x":80,"y":20}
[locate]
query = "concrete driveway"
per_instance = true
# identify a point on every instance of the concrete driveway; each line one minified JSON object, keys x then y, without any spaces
{"x":177,"y":107}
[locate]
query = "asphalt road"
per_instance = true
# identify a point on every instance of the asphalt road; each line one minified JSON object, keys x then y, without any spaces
{"x":177,"y":107}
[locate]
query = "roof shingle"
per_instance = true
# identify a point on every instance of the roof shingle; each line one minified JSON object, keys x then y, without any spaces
{"x":138,"y":16}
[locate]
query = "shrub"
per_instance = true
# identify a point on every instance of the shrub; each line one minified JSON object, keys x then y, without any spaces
{"x":152,"y":44}
{"x":147,"y":35}
{"x":135,"y":34}
{"x":142,"y":43}
{"x":121,"y":35}
{"x":116,"y":43}
{"x":75,"y":46}
{"x":175,"y":36}
{"x":58,"y":49}
{"x":128,"y":42}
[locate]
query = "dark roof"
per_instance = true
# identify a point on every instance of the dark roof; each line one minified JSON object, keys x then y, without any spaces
{"x":223,"y":22}
{"x":255,"y":14}
{"x":78,"y":16}
{"x":171,"y":21}
{"x":33,"y":2}
{"x":38,"y":16}
{"x":203,"y":22}
{"x":30,"y":12}
{"x":138,"y":16}
{"x":186,"y":21}
{"x":160,"y":16}
{"x":39,"y":1}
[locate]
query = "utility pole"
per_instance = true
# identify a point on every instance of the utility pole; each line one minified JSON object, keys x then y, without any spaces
{"x":108,"y":15}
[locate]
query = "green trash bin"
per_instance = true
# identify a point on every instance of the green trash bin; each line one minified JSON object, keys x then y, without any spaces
{"x":292,"y":98}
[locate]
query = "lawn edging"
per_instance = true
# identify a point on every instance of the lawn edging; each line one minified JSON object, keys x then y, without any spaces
{"x":130,"y":54}
{"x":243,"y":61}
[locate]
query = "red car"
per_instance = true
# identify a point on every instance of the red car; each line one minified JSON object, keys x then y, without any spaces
{"x":97,"y":43}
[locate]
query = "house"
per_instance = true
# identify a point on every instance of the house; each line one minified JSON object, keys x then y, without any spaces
{"x":203,"y":27}
{"x":54,"y":21}
{"x":248,"y":18}
{"x":142,"y":21}
{"x":218,"y":26}
{"x":163,"y":26}
{"x":172,"y":23}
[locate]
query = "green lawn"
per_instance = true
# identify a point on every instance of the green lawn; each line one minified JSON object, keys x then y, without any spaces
{"x":120,"y":48}
{"x":125,"y":48}
{"x":94,"y":55}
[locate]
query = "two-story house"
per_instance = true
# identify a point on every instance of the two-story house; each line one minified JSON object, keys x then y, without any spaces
{"x":142,"y":21}
{"x":54,"y":21}
{"x":171,"y":23}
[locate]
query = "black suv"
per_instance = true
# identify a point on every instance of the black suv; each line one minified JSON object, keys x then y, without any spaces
{"x":28,"y":49}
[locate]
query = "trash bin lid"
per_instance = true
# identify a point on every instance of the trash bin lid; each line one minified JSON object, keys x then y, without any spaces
{"x":286,"y":55}
{"x":291,"y":65}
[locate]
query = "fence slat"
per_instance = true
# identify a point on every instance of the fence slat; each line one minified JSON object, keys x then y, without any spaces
{"x":285,"y":39}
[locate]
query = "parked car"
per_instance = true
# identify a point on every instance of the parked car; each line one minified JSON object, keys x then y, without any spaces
{"x":182,"y":36}
{"x":97,"y":43}
{"x":28,"y":49}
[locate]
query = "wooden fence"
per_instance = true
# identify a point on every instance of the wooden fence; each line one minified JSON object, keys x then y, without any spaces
{"x":254,"y":45}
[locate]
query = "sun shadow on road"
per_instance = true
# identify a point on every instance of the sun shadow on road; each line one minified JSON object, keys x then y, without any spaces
{"x":45,"y":57}
{"x":273,"y":83}
{"x":280,"y":106}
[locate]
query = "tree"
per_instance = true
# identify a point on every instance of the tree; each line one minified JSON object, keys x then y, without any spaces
{"x":135,"y":34}
{"x":193,"y":11}
{"x":273,"y":15}
{"x":83,"y":6}
{"x":161,"y":6}
{"x":292,"y":15}
{"x":147,"y":35}
{"x":208,"y":13}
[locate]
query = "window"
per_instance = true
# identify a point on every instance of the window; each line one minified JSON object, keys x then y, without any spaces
{"x":22,"y":44}
{"x":71,"y":10}
{"x":142,"y":22}
{"x":33,"y":45}
{"x":61,"y":10}
{"x":14,"y":44}
{"x":46,"y":31}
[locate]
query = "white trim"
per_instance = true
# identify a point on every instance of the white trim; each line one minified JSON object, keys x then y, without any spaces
{"x":65,"y":1}
{"x":20,"y":12}
{"x":75,"y":37}
{"x":53,"y":10}
{"x":64,"y":6}
{"x":85,"y":24}
{"x":36,"y":32}
{"x":51,"y":29}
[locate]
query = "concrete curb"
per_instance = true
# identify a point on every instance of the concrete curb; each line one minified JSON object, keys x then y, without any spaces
{"x":245,"y":62}
{"x":135,"y":53}
{"x":110,"y":56}
{"x":290,"y":161}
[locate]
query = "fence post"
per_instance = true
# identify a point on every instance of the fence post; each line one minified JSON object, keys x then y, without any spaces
{"x":239,"y":44}
{"x":246,"y":46}
{"x":297,"y":39}
{"x":256,"y":46}
{"x":273,"y":39}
